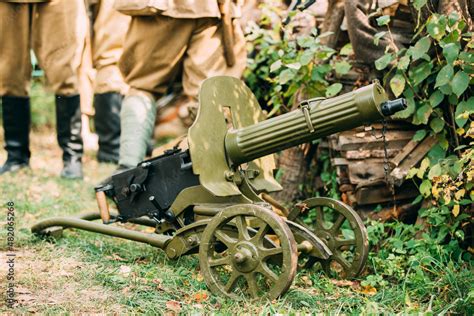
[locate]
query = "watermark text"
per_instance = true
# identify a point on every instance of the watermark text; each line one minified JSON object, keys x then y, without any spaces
{"x":11,"y":256}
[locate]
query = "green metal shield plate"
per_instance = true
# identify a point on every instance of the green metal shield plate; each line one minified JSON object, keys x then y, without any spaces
{"x":219,"y":96}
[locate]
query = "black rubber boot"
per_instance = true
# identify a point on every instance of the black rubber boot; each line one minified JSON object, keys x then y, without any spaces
{"x":68,"y":125}
{"x":16,"y":124}
{"x":107,"y":125}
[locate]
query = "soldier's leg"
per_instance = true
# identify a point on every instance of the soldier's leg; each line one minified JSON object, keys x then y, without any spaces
{"x":110,"y":28}
{"x":205,"y":55}
{"x":86,"y":92}
{"x":15,"y":71}
{"x":153,"y":50}
{"x":59,"y":30}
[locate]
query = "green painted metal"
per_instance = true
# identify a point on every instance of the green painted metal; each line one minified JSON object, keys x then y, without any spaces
{"x":231,"y":140}
{"x":225,"y":258}
{"x":327,"y":116}
{"x":92,"y":216}
{"x":186,"y":239}
{"x":318,"y":248}
{"x":226,"y":102}
{"x":198,"y":195}
{"x":350,"y":254}
{"x":154,"y":240}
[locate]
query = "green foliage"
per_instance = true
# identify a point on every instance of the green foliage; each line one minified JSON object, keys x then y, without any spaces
{"x":284,"y":65}
{"x":428,"y":260}
{"x":435,"y":75}
{"x":428,"y":270}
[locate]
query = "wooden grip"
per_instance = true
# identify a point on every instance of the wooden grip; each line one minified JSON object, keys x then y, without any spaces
{"x":103,"y":206}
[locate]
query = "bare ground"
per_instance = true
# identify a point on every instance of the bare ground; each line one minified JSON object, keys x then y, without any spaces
{"x":44,"y":282}
{"x":48,"y":278}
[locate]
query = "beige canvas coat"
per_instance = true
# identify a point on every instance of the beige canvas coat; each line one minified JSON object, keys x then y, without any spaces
{"x":55,"y":31}
{"x":181,"y":9}
{"x":25,"y":1}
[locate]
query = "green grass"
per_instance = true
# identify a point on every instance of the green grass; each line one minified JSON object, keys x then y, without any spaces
{"x":42,"y":106}
{"x":88,"y":273}
{"x":154,"y":280}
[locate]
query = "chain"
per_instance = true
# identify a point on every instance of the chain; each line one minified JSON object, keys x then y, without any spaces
{"x":386,"y":165}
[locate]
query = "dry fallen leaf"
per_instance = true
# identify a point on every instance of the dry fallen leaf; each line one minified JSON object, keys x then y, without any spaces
{"x":125,"y":290}
{"x":342,"y":282}
{"x":158,"y":283}
{"x":200,"y":296}
{"x":115,"y":257}
{"x":199,"y":277}
{"x":369,"y":290}
{"x":458,"y":195}
{"x":306,"y":280}
{"x":174,"y":306}
{"x":141,"y":260}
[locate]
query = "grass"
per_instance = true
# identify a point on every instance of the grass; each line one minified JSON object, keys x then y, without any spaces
{"x":88,"y":273}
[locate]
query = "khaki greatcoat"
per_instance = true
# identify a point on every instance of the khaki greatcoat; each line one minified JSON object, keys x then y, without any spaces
{"x":55,"y":30}
{"x":183,"y":35}
{"x":99,"y":71}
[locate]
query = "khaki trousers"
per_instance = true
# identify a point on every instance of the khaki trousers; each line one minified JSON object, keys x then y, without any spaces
{"x":99,"y":71}
{"x":110,"y":28}
{"x":158,"y":47}
{"x":55,"y":31}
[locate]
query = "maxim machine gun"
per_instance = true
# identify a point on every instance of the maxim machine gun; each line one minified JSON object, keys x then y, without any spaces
{"x":212,"y":199}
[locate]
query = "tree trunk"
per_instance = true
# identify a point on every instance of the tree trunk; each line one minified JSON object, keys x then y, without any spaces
{"x":293,"y":167}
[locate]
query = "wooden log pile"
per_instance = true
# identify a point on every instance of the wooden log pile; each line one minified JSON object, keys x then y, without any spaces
{"x":359,"y":159}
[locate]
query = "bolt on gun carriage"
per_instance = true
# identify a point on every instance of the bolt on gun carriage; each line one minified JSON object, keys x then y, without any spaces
{"x":212,"y":199}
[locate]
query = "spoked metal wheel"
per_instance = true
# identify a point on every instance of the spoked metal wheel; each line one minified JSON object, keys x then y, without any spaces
{"x":246,"y":264}
{"x":311,"y":248}
{"x":343,"y":231}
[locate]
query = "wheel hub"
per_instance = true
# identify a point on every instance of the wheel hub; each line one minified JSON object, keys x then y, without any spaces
{"x":327,"y":237}
{"x":245,"y":257}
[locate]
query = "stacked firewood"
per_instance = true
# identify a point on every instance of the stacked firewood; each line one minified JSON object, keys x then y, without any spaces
{"x":371,"y":169}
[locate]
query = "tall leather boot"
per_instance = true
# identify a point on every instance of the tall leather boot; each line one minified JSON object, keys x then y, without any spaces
{"x":107,"y":125}
{"x":68,"y":125}
{"x":16,"y":124}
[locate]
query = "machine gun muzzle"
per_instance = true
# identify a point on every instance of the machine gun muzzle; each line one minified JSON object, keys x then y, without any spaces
{"x":316,"y":118}
{"x":389,"y":108}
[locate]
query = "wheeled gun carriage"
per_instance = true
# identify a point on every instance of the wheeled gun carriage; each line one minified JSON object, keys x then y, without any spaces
{"x":212,"y":199}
